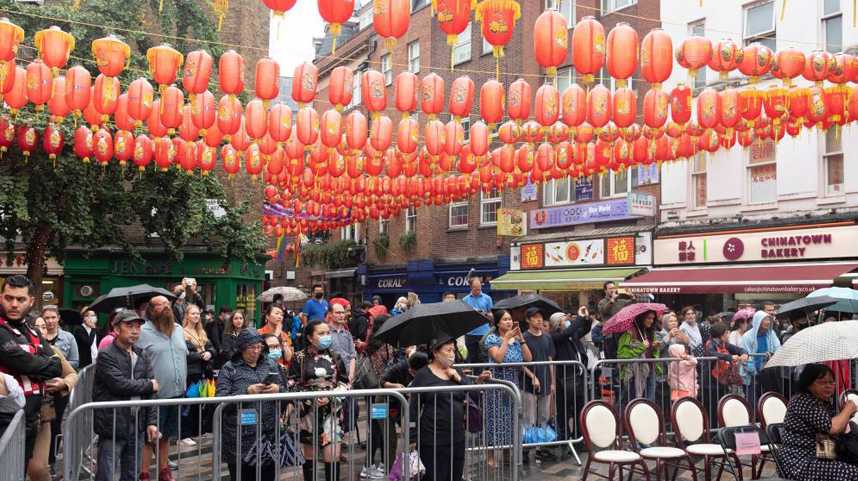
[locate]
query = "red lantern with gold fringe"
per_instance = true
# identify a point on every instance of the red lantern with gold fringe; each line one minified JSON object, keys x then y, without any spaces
{"x":588,"y":48}
{"x":54,"y":47}
{"x":390,"y":19}
{"x":453,"y":18}
{"x":111,"y":55}
{"x":11,"y":36}
{"x":164,"y":65}
{"x":551,"y":41}
{"x":497,"y":21}
{"x":622,"y":49}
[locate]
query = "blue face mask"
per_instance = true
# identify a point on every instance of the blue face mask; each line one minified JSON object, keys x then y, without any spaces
{"x":567,"y":324}
{"x":275,"y":354}
{"x":325,"y":341}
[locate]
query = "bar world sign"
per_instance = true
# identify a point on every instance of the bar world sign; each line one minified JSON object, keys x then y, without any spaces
{"x":635,"y":206}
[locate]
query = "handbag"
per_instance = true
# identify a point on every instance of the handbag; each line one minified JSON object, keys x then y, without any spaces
{"x":193,"y":390}
{"x":415,"y":467}
{"x":365,"y":376}
{"x":825,"y":447}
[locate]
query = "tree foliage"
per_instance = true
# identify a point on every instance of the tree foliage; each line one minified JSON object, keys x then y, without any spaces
{"x":50,"y":206}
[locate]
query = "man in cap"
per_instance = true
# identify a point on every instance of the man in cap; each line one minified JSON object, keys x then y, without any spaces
{"x":122,"y":374}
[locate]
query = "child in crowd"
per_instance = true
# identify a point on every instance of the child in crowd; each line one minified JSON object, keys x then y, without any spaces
{"x":682,"y":372}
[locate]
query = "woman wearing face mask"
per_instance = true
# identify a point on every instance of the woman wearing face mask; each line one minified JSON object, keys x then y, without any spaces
{"x":274,"y":351}
{"x":317,"y":368}
{"x":441,"y":437}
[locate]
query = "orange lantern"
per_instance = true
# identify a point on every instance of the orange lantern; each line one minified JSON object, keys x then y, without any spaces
{"x":256,"y":119}
{"x":655,"y":108}
{"x":231,"y":160}
{"x":11,"y":36}
{"x":381,"y":133}
{"x":492,"y":102}
{"x":39,"y":83}
{"x":207,"y":158}
{"x":817,"y":65}
{"x":121,"y":118}
{"x":461,"y":97}
{"x":229,"y":115}
{"x":509,"y":132}
{"x":622,"y":53}
{"x":574,"y":103}
{"x":788,"y":64}
{"x":253,"y":162}
{"x":213,"y":136}
{"x":172,"y":100}
{"x":164,"y":65}
{"x":280,"y":122}
{"x":817,"y":107}
{"x":267,"y":79}
{"x":551,"y":40}
{"x":144,"y":149}
{"x":680,"y":104}
{"x":708,"y":108}
{"x":656,"y":56}
{"x":519,"y":100}
{"x":111,"y":55}
{"x":356,"y":130}
{"x":203,"y":111}
{"x":52,"y":141}
{"x":730,"y":114}
{"x":454,"y":135}
{"x":7,"y":134}
{"x":331,"y":128}
{"x":390,"y":19}
{"x":83,"y":143}
{"x":140,"y":100}
{"x":165,"y":153}
{"x":547,"y":109}
{"x":408,"y":135}
{"x":78,"y":88}
{"x":588,"y":48}
{"x":453,"y":17}
{"x":279,"y":7}
{"x":497,"y":19}
{"x":726,"y":57}
{"x":106,"y":92}
{"x":432,"y":95}
{"x":373,"y":92}
{"x":750,"y":105}
{"x":154,"y":124}
{"x":336,"y":13}
{"x":405,"y":93}
{"x":434,"y":137}
{"x":304,"y":83}
{"x":102,"y":146}
{"x":54,"y":46}
{"x":479,"y":139}
{"x":599,"y":106}
{"x":240,"y":140}
{"x":756,"y":61}
{"x":7,"y":76}
{"x":307,"y":126}
{"x":57,"y":105}
{"x":625,"y":107}
{"x":694,"y":53}
{"x":340,"y":87}
{"x":123,"y":147}
{"x":197,"y":72}
{"x":230,"y":73}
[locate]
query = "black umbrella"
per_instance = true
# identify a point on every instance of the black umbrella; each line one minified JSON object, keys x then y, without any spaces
{"x":725,"y":316}
{"x":547,"y":306}
{"x":70,"y":317}
{"x":128,"y":297}
{"x":424,"y":323}
{"x":807,"y":304}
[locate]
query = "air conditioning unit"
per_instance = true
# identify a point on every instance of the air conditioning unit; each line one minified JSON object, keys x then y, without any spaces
{"x":37,"y":2}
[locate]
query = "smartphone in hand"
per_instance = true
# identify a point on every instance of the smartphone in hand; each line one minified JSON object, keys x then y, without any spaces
{"x":272,"y":378}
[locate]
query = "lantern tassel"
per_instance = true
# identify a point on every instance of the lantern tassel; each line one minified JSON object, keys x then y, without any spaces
{"x":160,"y":6}
{"x":783,"y":9}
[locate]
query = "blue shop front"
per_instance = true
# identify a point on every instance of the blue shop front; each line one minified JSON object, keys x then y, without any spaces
{"x":430,"y":280}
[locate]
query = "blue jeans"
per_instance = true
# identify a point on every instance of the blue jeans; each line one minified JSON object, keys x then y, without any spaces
{"x":119,"y":456}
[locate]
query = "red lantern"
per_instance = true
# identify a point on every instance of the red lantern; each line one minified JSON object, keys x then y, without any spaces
{"x":373,"y":93}
{"x":54,"y":46}
{"x":405,"y":93}
{"x":280,"y":122}
{"x":574,"y":103}
{"x":165,"y":153}
{"x":726,"y":57}
{"x":332,"y":128}
{"x":622,"y":53}
{"x":230,"y":73}
{"x":381,"y":134}
{"x":492,"y":102}
{"x":111,"y":55}
{"x":213,"y":136}
{"x":336,"y":13}
{"x":154,"y":123}
{"x":197,"y":72}
{"x":256,"y":119}
{"x":509,"y":132}
{"x":625,"y":107}
{"x":267,"y":79}
{"x":164,"y":65}
{"x":708,"y":108}
{"x":304,"y":83}
{"x":140,"y":100}
{"x":123,"y":146}
{"x":102,"y":146}
{"x":7,"y":75}
{"x":750,"y":104}
{"x":144,"y":150}
{"x":307,"y":126}
{"x":655,"y":108}
{"x":121,"y":118}
{"x":694,"y":53}
{"x":454,"y":136}
{"x":11,"y":36}
{"x":203,"y":111}
{"x":57,"y":105}
{"x":356,"y":130}
{"x":83,"y":143}
{"x":231,"y":160}
{"x":680,"y":104}
{"x":279,"y":7}
{"x":817,"y":65}
{"x":588,"y":48}
{"x":187,"y":130}
{"x":408,"y":135}
{"x":479,"y":140}
{"x":340,"y":87}
{"x":788,"y":64}
{"x":207,"y":158}
{"x":453,"y":17}
{"x":518,"y":102}
{"x":817,"y":107}
{"x":599,"y":106}
{"x":172,"y":100}
{"x":656,"y":56}
{"x":390,"y":19}
{"x":551,"y":40}
{"x":229,"y":115}
{"x":431,"y":95}
{"x":461,"y":97}
{"x":730,"y":114}
{"x":497,"y":19}
{"x":756,"y":61}
{"x":39,"y":83}
{"x":186,"y":156}
{"x":106,"y":92}
{"x":52,"y":141}
{"x":547,"y":109}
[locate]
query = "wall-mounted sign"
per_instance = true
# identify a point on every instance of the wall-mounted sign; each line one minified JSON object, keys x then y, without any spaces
{"x":514,"y":258}
{"x":593,"y":212}
{"x":620,"y":251}
{"x":575,"y":253}
{"x":532,"y":256}
{"x":511,"y":223}
{"x":528,"y":192}
{"x":641,"y":204}
{"x":643,"y":249}
{"x":391,"y":282}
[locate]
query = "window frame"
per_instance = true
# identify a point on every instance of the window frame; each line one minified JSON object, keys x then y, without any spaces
{"x":826,"y":158}
{"x":749,"y":182}
{"x":412,"y":59}
{"x":485,"y":202}
{"x":384,"y":227}
{"x":387,"y":61}
{"x":466,"y":128}
{"x":410,"y":220}
{"x":824,"y":19}
{"x":565,"y":73}
{"x":612,"y":185}
{"x":694,"y":174}
{"x":772,"y":34}
{"x":454,"y":205}
{"x":610,"y":6}
{"x":487,"y":47}
{"x":550,"y":186}
{"x":465,"y":39}
{"x":565,"y":7}
{"x":347,"y":231}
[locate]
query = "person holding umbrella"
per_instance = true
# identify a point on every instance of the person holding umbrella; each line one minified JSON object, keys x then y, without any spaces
{"x":441,"y":417}
{"x":636,"y":323}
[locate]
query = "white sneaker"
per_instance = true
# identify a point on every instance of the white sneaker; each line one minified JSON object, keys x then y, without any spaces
{"x":376,"y":472}
{"x":364,"y":471}
{"x":189,"y":442}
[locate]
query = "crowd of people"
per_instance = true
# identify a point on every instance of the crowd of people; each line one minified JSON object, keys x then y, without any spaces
{"x":172,"y":349}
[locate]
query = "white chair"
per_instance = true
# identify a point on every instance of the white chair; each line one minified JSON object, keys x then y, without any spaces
{"x":692,"y":432}
{"x":771,"y":409}
{"x":601,"y":431}
{"x":644,"y":426}
{"x":733,"y":412}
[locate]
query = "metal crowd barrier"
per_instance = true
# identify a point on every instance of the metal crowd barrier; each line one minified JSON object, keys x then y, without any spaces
{"x":80,"y":395}
{"x":12,"y":449}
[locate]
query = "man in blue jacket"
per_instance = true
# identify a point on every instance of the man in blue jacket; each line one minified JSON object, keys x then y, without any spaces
{"x":483,"y":303}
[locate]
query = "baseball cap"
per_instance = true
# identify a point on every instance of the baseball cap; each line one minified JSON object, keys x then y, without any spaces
{"x":127,"y":315}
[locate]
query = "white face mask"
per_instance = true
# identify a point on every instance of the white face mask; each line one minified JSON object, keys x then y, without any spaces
{"x":447,"y":362}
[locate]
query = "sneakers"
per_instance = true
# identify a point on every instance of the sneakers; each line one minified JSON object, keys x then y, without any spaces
{"x":372,"y":472}
{"x":189,"y":442}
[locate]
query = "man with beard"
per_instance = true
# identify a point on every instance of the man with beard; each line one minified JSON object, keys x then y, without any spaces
{"x":163,"y":344}
{"x":24,"y":354}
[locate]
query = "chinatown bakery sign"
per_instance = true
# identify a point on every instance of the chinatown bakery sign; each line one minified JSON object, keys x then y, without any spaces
{"x":782,"y":245}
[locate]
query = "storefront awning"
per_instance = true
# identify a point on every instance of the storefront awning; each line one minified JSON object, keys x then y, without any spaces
{"x":560,"y":280}
{"x":763,"y":278}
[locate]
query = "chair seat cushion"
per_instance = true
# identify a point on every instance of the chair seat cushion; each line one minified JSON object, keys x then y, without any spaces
{"x":704,"y":449}
{"x":662,"y":452}
{"x":613,"y":456}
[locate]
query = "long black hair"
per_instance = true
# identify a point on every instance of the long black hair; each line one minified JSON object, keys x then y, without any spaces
{"x":649,"y":332}
{"x":374,"y":343}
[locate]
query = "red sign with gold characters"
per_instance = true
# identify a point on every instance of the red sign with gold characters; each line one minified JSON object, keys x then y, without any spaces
{"x":620,"y":251}
{"x":532,"y":256}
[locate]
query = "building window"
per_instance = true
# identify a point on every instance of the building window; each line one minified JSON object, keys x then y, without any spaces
{"x":387,"y":69}
{"x":558,"y":191}
{"x":414,"y":57}
{"x":760,"y":24}
{"x":384,"y":227}
{"x":459,"y":212}
{"x":350,"y":232}
{"x":487,"y":47}
{"x":832,"y":26}
{"x":615,"y":184}
{"x":489,"y":204}
{"x":462,"y":49}
{"x":411,"y":220}
{"x":415,"y":4}
{"x":613,"y":5}
{"x":762,"y":173}
{"x":833,"y":163}
{"x":698,"y":181}
{"x":564,"y":79}
{"x":466,"y":127}
{"x":356,"y":98}
{"x":698,"y":28}
{"x":566,"y":7}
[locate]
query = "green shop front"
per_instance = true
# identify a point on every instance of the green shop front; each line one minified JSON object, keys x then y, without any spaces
{"x":234,"y":284}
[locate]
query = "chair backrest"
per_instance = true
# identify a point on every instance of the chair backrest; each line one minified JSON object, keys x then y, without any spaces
{"x":689,"y":421}
{"x":733,"y":411}
{"x":643,"y":423}
{"x":599,"y":425}
{"x":727,"y":437}
{"x":771,"y":409}
{"x":773,"y":432}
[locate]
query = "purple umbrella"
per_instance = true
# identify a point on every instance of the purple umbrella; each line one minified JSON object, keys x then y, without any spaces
{"x":744,"y":314}
{"x":625,"y":319}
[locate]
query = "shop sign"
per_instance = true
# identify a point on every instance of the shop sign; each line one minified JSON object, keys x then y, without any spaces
{"x":398,"y":282}
{"x":511,"y":223}
{"x":620,"y":251}
{"x":575,"y":253}
{"x":514,"y":258}
{"x":593,"y":212}
{"x":643,"y":249}
{"x":799,"y":244}
{"x":583,"y":189}
{"x":528,"y":192}
{"x":532,"y":256}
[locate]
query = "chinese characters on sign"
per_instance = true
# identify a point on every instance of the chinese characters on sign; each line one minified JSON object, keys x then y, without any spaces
{"x":511,"y":223}
{"x":687,"y":251}
{"x":620,"y":251}
{"x":532,"y":256}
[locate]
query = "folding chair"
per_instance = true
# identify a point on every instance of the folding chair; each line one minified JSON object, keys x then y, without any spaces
{"x":733,"y":411}
{"x":727,"y":437}
{"x":644,"y":426}
{"x":601,"y":431}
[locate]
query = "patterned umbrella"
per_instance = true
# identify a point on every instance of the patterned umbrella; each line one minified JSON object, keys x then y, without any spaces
{"x":829,"y":341}
{"x":625,"y":319}
{"x":746,"y":313}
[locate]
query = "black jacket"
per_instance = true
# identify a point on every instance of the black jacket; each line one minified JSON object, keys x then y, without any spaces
{"x":196,"y":366}
{"x":114,"y":382}
{"x":568,"y":346}
{"x":84,"y":344}
{"x":228,"y":349}
{"x":38,"y":367}
{"x":214,"y":330}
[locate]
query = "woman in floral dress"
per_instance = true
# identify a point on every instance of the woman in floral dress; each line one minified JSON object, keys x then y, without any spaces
{"x":504,"y":346}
